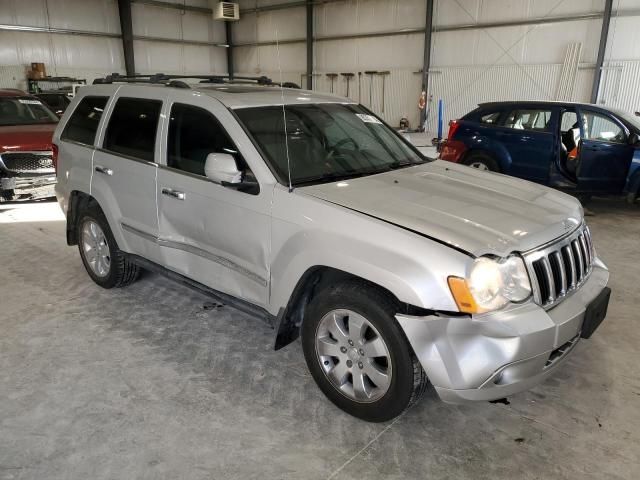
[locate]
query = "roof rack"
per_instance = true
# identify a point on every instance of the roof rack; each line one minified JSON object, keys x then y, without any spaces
{"x":175,"y":80}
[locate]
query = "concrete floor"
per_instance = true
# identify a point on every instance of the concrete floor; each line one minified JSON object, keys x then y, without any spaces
{"x":145,"y":382}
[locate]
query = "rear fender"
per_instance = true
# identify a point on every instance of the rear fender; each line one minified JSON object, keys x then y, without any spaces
{"x":491,"y":147}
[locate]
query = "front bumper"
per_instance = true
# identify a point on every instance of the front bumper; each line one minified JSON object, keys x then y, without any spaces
{"x":495,"y":355}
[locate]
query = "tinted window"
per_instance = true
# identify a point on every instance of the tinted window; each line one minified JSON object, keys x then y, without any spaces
{"x":83,"y":124}
{"x":132,"y":128}
{"x":529,"y":119}
{"x":490,"y":118}
{"x":600,"y":127}
{"x":194,"y":133}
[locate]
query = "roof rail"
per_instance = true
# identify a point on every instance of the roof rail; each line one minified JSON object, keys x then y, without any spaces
{"x":174,"y":80}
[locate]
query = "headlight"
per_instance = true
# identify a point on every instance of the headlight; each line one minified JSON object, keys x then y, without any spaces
{"x":491,"y":284}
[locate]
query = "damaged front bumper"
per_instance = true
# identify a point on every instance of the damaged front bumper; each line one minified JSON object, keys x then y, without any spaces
{"x":495,"y":355}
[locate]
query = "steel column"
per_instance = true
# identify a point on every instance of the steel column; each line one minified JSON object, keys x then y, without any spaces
{"x":229,"y":32}
{"x":309,"y":42}
{"x":126,"y":26}
{"x":604,"y":33}
{"x":426,"y":62}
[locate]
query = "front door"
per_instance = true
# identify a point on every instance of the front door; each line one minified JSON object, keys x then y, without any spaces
{"x":605,"y":154}
{"x":124,"y":170}
{"x":215,"y":235}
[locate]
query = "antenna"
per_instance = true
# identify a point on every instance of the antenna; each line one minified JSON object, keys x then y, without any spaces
{"x":284,"y":116}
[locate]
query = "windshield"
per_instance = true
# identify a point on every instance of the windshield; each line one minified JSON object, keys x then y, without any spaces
{"x":326,"y":142}
{"x":24,"y":111}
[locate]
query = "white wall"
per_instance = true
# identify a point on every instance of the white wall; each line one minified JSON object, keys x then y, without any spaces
{"x":63,"y":55}
{"x":92,"y":57}
{"x":467,"y":66}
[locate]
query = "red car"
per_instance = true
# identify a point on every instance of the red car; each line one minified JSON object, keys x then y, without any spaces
{"x":27,"y":169}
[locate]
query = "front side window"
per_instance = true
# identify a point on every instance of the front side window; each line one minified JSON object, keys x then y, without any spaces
{"x":84,"y":121}
{"x":601,"y":128}
{"x":24,"y":111}
{"x":529,"y":119}
{"x":194,"y":133}
{"x":132,"y":128}
{"x":325,"y":142}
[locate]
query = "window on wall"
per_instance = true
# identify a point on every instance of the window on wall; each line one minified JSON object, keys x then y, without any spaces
{"x":194,"y":133}
{"x":84,"y":121}
{"x":602,"y":128}
{"x":132,"y":128}
{"x":529,"y":119}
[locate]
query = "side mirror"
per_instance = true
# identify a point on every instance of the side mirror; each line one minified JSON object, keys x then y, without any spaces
{"x":634,"y":139}
{"x":222,"y":168}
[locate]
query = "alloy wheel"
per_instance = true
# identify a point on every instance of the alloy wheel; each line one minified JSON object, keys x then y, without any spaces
{"x":353,"y":356}
{"x":96,"y":249}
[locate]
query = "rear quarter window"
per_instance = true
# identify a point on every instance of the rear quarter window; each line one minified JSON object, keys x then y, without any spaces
{"x":489,"y":118}
{"x":84,"y":121}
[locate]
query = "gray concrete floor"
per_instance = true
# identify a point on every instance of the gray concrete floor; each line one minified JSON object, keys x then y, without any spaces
{"x":144,"y":382}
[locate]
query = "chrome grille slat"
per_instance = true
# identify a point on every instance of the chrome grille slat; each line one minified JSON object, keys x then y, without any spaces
{"x":558,"y":269}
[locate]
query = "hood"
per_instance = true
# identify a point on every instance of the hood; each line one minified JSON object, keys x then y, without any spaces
{"x":26,"y":137}
{"x":478,"y":212}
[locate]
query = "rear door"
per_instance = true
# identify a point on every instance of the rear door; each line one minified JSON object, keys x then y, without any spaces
{"x":125,"y":167}
{"x":605,"y":153}
{"x":215,"y":235}
{"x":528,"y":135}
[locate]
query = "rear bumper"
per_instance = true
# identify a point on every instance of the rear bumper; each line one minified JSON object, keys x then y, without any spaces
{"x":495,"y":355}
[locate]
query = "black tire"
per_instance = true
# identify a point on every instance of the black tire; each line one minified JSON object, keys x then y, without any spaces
{"x":408,"y":381}
{"x":122,"y":272}
{"x":479,"y":158}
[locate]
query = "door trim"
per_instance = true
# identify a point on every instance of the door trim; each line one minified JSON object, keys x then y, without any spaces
{"x":185,"y":247}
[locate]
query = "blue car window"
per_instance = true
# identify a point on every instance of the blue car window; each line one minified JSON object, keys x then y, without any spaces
{"x":601,"y":128}
{"x":529,"y":119}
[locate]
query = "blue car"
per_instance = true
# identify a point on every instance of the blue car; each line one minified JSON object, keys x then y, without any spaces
{"x":580,"y":148}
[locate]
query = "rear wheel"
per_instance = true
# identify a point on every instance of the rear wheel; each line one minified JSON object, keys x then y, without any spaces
{"x":104,"y":261}
{"x":358,"y":354}
{"x":482,"y":161}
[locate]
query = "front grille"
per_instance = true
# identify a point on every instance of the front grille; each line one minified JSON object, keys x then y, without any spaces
{"x":28,"y":162}
{"x":559,"y":269}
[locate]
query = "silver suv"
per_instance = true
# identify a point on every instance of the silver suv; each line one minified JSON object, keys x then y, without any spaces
{"x":309,"y":211}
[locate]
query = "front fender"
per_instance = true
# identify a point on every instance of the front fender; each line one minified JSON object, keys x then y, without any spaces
{"x":309,"y":232}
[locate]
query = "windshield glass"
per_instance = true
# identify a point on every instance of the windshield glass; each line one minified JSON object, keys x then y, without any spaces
{"x":24,"y":111}
{"x":326,"y":142}
{"x":630,"y":118}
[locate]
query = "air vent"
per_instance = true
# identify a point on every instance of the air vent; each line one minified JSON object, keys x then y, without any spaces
{"x":227,"y":11}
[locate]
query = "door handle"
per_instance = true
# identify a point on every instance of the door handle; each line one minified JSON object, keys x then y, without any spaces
{"x":173,"y":193}
{"x":105,"y":170}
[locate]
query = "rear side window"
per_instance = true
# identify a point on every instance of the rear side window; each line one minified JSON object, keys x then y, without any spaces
{"x":132,"y":128}
{"x":530,"y":119}
{"x":83,"y":124}
{"x":490,"y":118}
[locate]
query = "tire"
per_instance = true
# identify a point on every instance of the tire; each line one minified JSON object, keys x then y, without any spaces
{"x":631,"y":198}
{"x":481,"y":161}
{"x":116,"y":270}
{"x":377,"y":401}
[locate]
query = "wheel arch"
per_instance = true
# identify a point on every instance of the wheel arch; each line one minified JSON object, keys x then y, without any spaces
{"x":78,"y":202}
{"x":314,"y":279}
{"x":492,"y":149}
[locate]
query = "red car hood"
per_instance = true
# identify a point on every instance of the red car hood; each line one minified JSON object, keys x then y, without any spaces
{"x":26,"y":137}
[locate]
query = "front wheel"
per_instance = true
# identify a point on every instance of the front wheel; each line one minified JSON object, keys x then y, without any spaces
{"x":358,"y":354}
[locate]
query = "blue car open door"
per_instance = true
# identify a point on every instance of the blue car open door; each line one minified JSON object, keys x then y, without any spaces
{"x":605,"y":153}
